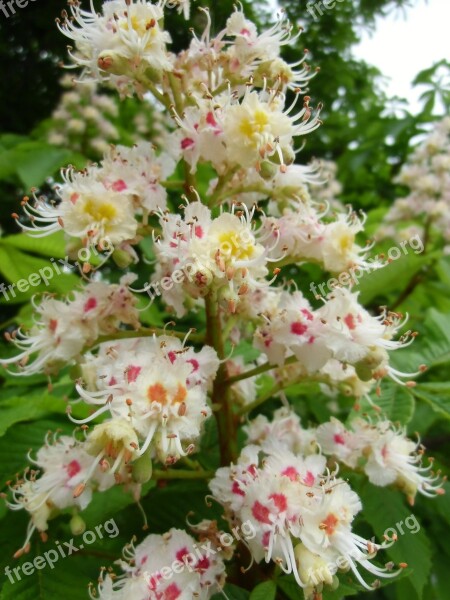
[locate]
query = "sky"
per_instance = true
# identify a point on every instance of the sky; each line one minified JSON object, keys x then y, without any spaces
{"x":401,"y":47}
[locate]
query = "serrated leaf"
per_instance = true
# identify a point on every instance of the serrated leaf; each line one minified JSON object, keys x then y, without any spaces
{"x":52,"y":245}
{"x":16,"y":266}
{"x":264,"y":591}
{"x":384,"y":509}
{"x":436,"y":395}
{"x":36,"y":404}
{"x":391,"y":277}
{"x":396,"y":403}
{"x":232,"y":592}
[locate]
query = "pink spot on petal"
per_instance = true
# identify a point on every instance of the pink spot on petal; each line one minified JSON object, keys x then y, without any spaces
{"x":266,"y":539}
{"x":172,"y":356}
{"x":198,"y":231}
{"x":309,"y":479}
{"x":203,"y":564}
{"x":181,"y":554}
{"x":119,"y":185}
{"x":172,"y":592}
{"x":90,"y":304}
{"x":236,"y":489}
{"x":187,"y":143}
{"x":280,"y":501}
{"x":307,"y":314}
{"x":349,"y":320}
{"x":339,"y":439}
{"x":298,"y":328}
{"x":133,"y":373}
{"x":112,"y":381}
{"x":261,"y":513}
{"x":195,"y":364}
{"x":73,"y":468}
{"x":290,"y":472}
{"x":74,"y":197}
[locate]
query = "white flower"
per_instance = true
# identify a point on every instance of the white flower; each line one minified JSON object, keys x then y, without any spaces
{"x":67,"y":479}
{"x":155,"y":384}
{"x":64,"y":327}
{"x":289,"y":500}
{"x":169,"y":567}
{"x":123,"y":44}
{"x":200,"y":254}
{"x":257,"y":128}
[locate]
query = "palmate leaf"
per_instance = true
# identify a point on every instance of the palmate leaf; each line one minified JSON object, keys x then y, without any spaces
{"x":19,"y":403}
{"x":264,"y":591}
{"x":395,"y":401}
{"x":385,"y":508}
{"x":436,"y":395}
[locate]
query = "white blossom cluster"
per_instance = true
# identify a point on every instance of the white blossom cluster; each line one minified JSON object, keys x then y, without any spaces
{"x":427,"y":175}
{"x":240,"y":113}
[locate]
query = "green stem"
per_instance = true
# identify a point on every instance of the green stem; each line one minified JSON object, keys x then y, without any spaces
{"x":221,"y":393}
{"x":259,"y":370}
{"x":182,"y":474}
{"x":172,"y":185}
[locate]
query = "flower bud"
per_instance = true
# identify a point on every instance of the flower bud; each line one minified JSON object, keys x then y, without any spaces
{"x":77,"y":525}
{"x":142,"y":469}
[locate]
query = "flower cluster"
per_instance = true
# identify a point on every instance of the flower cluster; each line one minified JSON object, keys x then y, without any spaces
{"x":148,"y":574}
{"x":156,"y":386}
{"x":64,"y":328}
{"x":66,"y":475}
{"x":100,"y":204}
{"x":383,"y":452}
{"x":302,"y":514}
{"x":209,"y":220}
{"x":426,"y":174}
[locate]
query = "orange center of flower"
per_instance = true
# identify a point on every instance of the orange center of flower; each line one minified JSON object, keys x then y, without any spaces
{"x":329,"y":524}
{"x":158,"y":393}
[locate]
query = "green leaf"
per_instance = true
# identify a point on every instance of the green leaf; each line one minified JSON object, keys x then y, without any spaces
{"x":432,"y":348}
{"x":35,"y":161}
{"x":391,"y":277}
{"x":36,"y":404}
{"x":396,"y":403}
{"x":17,"y":267}
{"x":385,"y":510}
{"x":264,"y":591}
{"x":232,"y":592}
{"x":437,"y":395}
{"x":52,"y":245}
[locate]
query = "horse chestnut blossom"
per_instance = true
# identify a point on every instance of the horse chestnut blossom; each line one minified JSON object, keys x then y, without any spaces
{"x":157,"y":386}
{"x":68,"y":476}
{"x":193,"y":573}
{"x":63,"y":328}
{"x":299,"y":511}
{"x":213,"y":224}
{"x":387,"y":455}
{"x":124,"y":45}
{"x":99,"y":205}
{"x":426,"y":174}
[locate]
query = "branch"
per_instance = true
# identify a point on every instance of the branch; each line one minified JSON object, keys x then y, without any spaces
{"x":259,"y":370}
